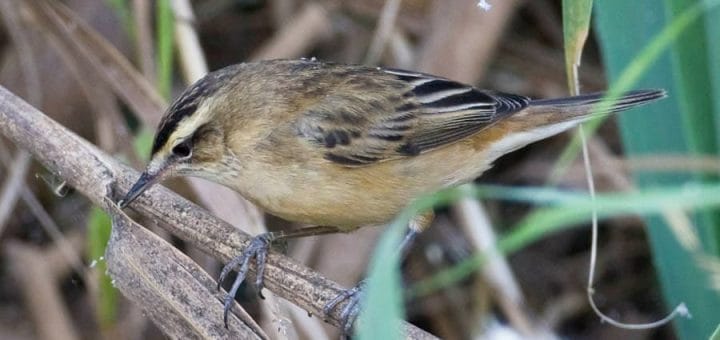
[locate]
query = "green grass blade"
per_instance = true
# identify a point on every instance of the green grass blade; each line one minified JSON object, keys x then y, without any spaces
{"x":576,"y":26}
{"x":143,"y":143}
{"x":122,"y":9}
{"x":566,"y":209}
{"x":712,"y":24}
{"x":164,"y":40}
{"x":716,"y":334}
{"x":383,"y":307}
{"x":98,"y":236}
{"x":692,"y":74}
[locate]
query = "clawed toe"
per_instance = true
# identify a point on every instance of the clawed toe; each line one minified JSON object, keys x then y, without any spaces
{"x":257,"y":249}
{"x":351,"y":310}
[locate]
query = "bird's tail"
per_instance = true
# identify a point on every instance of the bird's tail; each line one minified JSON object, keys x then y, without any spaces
{"x":581,"y":107}
{"x":547,"y":117}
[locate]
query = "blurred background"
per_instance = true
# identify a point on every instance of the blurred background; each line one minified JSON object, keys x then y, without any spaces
{"x":80,"y":61}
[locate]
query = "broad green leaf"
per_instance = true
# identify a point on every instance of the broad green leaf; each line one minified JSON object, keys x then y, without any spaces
{"x":716,"y":334}
{"x":647,"y":52}
{"x":669,"y":127}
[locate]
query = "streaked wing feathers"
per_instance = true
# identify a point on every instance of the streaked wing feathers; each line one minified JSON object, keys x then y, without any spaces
{"x":405,"y":114}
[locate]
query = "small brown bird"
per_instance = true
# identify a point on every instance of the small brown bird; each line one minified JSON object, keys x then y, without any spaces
{"x":341,"y":146}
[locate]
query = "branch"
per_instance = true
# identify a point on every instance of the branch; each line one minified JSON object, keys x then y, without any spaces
{"x":100,"y":177}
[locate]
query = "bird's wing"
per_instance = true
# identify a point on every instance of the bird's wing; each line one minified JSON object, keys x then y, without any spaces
{"x":395,"y":113}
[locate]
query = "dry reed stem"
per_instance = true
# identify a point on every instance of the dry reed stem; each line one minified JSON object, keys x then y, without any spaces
{"x":67,"y":251}
{"x":463,"y":39}
{"x":12,"y":187}
{"x":383,"y":31}
{"x":38,"y":284}
{"x":91,"y":49}
{"x":311,"y":25}
{"x":144,"y":38}
{"x":184,"y":298}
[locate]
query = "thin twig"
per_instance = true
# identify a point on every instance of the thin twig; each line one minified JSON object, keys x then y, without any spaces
{"x":112,"y":133}
{"x":401,"y":50}
{"x":476,"y":224}
{"x":295,"y":38}
{"x":21,"y":38}
{"x":46,"y":222}
{"x":39,"y":288}
{"x":463,"y":38}
{"x":12,"y":187}
{"x":282,"y":11}
{"x":191,"y":54}
{"x":143,"y":38}
{"x":383,"y":31}
{"x":92,"y":49}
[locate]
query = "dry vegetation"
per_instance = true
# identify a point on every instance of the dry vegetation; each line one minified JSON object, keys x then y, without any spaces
{"x":48,"y":289}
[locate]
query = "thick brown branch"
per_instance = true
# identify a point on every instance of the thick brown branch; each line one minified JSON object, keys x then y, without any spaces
{"x":175,"y":292}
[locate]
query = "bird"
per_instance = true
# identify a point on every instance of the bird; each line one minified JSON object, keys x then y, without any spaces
{"x":337,"y":147}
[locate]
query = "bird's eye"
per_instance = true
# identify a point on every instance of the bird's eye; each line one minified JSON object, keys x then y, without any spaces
{"x":182,"y":150}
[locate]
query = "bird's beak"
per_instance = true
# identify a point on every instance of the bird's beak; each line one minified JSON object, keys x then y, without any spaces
{"x":149,"y":177}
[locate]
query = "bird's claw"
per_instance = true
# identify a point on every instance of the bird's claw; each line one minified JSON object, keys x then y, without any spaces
{"x":351,"y":310}
{"x":257,"y":249}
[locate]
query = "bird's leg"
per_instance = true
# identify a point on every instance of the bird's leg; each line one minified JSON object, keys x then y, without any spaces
{"x":258,"y":249}
{"x":353,"y":295}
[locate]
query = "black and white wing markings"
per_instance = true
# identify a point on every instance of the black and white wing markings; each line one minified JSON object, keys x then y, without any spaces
{"x":449,"y":111}
{"x":430,"y":113}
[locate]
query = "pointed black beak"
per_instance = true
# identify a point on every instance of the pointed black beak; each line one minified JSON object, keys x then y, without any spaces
{"x":145,"y":181}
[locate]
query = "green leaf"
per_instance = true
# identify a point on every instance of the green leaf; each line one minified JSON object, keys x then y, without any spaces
{"x":165,"y":22}
{"x":692,"y":71}
{"x":686,"y":122}
{"x":98,"y":235}
{"x":576,"y":25}
{"x":143,"y":143}
{"x":383,"y":307}
{"x":122,"y":9}
{"x":716,"y":334}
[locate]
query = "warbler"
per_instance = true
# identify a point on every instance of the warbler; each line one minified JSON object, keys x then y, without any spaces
{"x":339,"y":147}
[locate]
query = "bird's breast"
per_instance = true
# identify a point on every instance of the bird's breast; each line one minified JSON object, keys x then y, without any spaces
{"x":319,"y":192}
{"x":344,"y":198}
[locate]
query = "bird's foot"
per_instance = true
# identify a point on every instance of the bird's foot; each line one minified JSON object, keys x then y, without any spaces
{"x":351,"y":310}
{"x":257,"y":249}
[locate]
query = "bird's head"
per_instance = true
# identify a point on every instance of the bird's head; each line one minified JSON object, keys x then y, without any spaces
{"x":189,"y":139}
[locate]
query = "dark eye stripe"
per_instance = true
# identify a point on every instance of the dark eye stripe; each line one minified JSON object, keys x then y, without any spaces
{"x":185,"y":105}
{"x":170,"y":124}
